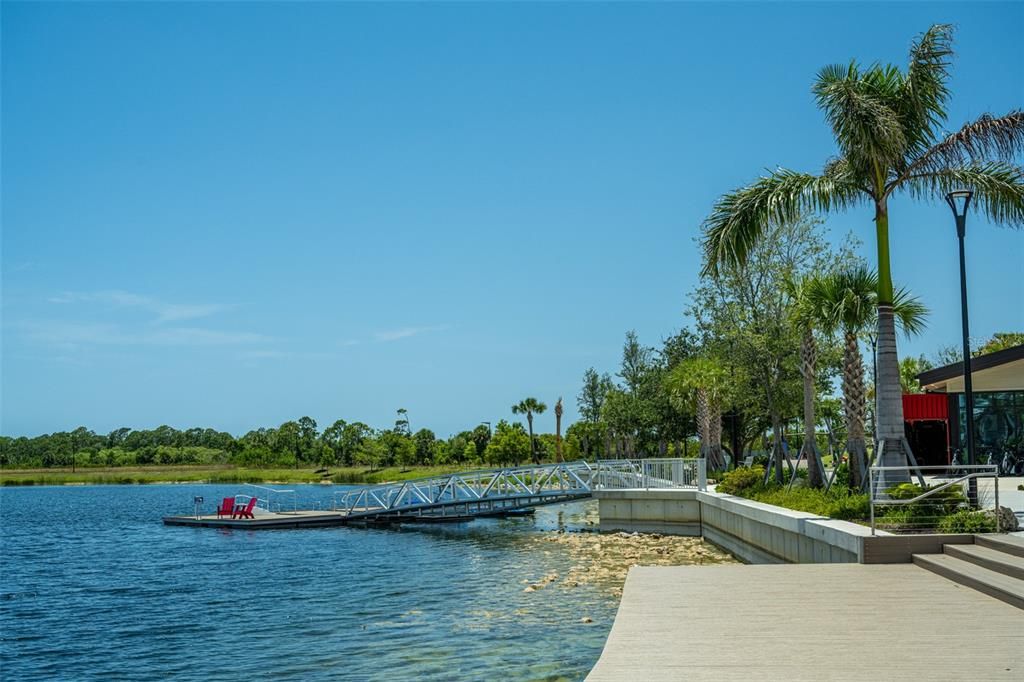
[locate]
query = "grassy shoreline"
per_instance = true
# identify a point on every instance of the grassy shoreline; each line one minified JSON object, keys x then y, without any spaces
{"x":211,"y":474}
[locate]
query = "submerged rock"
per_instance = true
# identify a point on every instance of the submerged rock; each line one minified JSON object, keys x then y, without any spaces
{"x":603,"y":559}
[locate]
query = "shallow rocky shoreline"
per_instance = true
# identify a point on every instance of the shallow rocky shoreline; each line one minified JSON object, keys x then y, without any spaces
{"x":604,"y":559}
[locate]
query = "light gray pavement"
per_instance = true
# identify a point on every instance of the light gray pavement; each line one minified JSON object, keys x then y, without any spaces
{"x":808,"y":622}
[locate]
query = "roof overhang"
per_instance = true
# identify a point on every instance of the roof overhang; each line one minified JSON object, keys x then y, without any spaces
{"x":999,"y":371}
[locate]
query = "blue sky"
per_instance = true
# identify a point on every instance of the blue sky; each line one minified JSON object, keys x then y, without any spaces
{"x":235,"y":214}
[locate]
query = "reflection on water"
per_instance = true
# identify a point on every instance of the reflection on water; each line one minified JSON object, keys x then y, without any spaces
{"x":93,"y":586}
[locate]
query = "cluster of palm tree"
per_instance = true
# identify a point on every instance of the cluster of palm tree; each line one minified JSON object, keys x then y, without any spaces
{"x":844,"y":301}
{"x":702,"y":384}
{"x":887,"y":125}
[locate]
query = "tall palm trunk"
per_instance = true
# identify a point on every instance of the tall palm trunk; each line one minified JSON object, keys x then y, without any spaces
{"x":715,"y":460}
{"x":808,"y":370}
{"x":533,"y":446}
{"x":558,"y":428}
{"x":854,"y":403}
{"x":703,"y":422}
{"x":888,"y":394}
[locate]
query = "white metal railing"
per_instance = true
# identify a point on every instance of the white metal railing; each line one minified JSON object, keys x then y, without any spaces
{"x":901,"y":506}
{"x":675,"y":472}
{"x":476,"y":492}
{"x":267,"y":503}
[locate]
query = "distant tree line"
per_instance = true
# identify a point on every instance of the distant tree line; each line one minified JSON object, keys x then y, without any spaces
{"x":299,"y":443}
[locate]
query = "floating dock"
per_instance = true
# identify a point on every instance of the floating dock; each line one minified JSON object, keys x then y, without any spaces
{"x":321,"y":519}
{"x":265,"y":521}
{"x":309,"y":519}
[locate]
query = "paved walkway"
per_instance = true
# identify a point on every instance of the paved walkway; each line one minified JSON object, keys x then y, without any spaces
{"x":808,"y":622}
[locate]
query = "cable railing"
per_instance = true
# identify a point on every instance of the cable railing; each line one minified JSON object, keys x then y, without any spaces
{"x":945,"y":499}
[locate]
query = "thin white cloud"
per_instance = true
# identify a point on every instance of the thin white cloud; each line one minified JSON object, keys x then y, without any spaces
{"x":165,"y":312}
{"x":264,"y":354}
{"x":406,"y":332}
{"x":73,"y":335}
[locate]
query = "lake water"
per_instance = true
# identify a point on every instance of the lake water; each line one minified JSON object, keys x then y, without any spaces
{"x":94,"y":586}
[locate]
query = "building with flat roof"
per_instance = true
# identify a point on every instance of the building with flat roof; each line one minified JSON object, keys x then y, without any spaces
{"x":939,"y":413}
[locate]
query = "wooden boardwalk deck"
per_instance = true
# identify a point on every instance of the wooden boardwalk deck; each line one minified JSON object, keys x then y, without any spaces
{"x":808,"y":622}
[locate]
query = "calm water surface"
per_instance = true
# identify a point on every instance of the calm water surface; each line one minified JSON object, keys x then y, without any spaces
{"x":94,"y":586}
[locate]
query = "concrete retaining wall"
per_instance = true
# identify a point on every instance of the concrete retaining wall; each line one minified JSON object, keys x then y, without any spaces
{"x":753,"y":531}
{"x":671,"y":512}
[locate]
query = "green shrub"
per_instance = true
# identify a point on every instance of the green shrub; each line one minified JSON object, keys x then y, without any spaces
{"x":904,"y":491}
{"x":842,"y":479}
{"x":895,"y":519}
{"x":940,"y":504}
{"x":737,"y":481}
{"x":966,"y":521}
{"x":836,"y":503}
{"x":850,"y":507}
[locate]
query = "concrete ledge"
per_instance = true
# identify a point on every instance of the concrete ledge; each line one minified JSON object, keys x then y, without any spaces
{"x":761,"y":533}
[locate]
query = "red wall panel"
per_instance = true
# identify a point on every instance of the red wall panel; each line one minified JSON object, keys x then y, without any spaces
{"x":918,"y":406}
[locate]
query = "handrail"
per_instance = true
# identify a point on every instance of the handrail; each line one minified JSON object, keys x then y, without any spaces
{"x":295,"y":501}
{"x":530,"y":484}
{"x":978,"y":471}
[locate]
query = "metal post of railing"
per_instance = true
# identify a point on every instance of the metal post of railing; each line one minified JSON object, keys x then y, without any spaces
{"x":702,"y":474}
{"x":871,"y":497}
{"x":995,"y":478}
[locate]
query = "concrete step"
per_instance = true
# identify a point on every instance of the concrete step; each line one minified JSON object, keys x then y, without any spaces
{"x":992,"y":583}
{"x":1011,"y":544}
{"x":986,"y":557}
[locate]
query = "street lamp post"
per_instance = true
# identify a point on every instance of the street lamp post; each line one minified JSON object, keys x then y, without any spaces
{"x":958,"y":202}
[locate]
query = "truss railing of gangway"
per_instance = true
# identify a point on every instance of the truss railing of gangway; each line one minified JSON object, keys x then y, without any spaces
{"x":484,"y":491}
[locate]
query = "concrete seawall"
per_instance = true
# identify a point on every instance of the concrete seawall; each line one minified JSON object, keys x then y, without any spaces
{"x":759,"y":533}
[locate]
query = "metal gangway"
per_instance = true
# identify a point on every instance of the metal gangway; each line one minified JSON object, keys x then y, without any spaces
{"x":495,"y":492}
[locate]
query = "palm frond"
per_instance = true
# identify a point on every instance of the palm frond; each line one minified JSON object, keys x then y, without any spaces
{"x":926,"y":88}
{"x":998,"y":188}
{"x":911,"y":314}
{"x":740,"y":218}
{"x":859,"y":107}
{"x":986,"y":139}
{"x":848,"y":297}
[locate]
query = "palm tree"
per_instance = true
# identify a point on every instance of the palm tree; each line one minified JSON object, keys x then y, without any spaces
{"x":558,"y":428}
{"x":886,"y":124}
{"x":808,"y":314}
{"x":707,"y":385}
{"x":530,"y":407}
{"x":848,"y":300}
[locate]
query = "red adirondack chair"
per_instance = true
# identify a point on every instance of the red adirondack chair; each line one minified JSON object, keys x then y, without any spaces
{"x":246,"y":511}
{"x":227,"y":506}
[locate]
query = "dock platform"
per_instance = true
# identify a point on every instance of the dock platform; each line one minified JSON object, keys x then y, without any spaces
{"x":307,"y":519}
{"x":808,"y":622}
{"x":264,"y":521}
